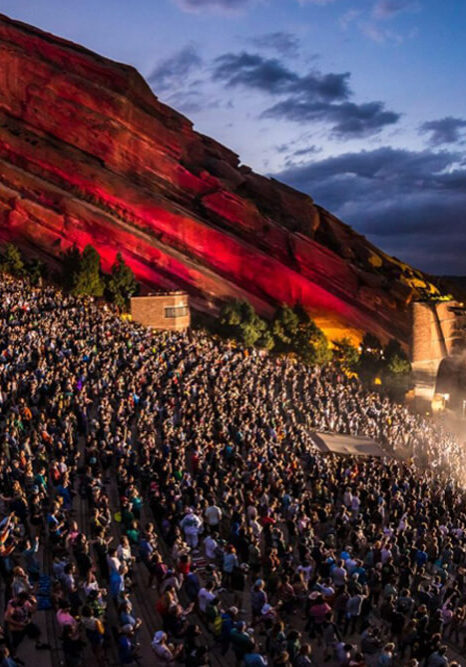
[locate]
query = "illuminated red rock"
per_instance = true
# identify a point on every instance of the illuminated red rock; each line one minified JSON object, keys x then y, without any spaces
{"x":89,"y":155}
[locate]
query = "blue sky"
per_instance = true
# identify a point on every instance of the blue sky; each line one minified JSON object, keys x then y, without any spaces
{"x":360,"y":103}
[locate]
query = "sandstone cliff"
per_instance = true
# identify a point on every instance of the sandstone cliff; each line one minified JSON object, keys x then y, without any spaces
{"x":89,"y":155}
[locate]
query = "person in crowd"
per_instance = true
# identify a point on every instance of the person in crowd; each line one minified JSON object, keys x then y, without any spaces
{"x":196,"y":463}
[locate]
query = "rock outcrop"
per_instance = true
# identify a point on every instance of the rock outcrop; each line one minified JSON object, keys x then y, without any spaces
{"x":89,"y":155}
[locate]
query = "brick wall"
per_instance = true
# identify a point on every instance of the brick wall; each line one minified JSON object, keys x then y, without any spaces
{"x":427,"y":341}
{"x":159,"y":311}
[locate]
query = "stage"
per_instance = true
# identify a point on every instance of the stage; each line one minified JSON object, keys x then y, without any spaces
{"x":351,"y":445}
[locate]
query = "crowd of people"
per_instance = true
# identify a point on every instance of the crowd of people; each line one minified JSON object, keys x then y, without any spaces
{"x":256,"y":547}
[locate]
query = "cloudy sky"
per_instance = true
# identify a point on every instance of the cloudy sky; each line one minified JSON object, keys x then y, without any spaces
{"x":360,"y":103}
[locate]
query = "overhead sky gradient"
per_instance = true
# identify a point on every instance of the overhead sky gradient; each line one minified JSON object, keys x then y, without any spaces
{"x":360,"y":103}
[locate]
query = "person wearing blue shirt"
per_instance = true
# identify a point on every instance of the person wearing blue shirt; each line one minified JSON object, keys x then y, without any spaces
{"x":254,"y":659}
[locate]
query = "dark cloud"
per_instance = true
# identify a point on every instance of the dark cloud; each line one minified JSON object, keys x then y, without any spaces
{"x":270,"y":75}
{"x":446,"y":130}
{"x":385,"y":9}
{"x":348,"y":119}
{"x":175,"y":69}
{"x":315,"y":96}
{"x":309,"y":150}
{"x":200,"y":5}
{"x":412,"y":204}
{"x":296,"y":157}
{"x":253,"y":71}
{"x":284,"y":43}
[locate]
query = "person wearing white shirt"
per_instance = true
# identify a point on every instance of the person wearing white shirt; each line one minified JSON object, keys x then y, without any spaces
{"x":213,"y":516}
{"x":255,"y":527}
{"x":205,"y":596}
{"x":210,"y":545}
{"x":192,"y":526}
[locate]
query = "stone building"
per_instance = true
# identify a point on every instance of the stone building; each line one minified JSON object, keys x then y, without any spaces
{"x":438,"y":354}
{"x":162,"y":310}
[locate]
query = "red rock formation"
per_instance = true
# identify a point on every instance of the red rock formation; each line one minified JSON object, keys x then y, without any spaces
{"x":89,"y":155}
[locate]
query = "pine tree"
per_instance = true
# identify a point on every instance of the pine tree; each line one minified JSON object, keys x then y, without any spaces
{"x":239,"y":320}
{"x":70,"y":267}
{"x":88,"y":278}
{"x":121,"y":283}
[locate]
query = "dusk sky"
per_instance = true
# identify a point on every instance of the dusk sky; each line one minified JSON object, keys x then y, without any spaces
{"x":360,"y":103}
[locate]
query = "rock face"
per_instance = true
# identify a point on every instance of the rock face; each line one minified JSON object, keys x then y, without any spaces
{"x":89,"y":155}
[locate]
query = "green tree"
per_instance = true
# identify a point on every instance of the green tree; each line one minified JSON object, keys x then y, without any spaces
{"x":88,"y":278}
{"x":346,"y":354}
{"x":398,"y":366}
{"x":397,"y":372}
{"x":36,"y":270}
{"x":372,"y":345}
{"x":239,"y":320}
{"x":371,"y":360}
{"x":12,"y":261}
{"x":285,"y":327}
{"x":266,"y":340}
{"x":121,"y":283}
{"x":310,"y":342}
{"x":393,"y":348}
{"x":71,"y":262}
{"x":295,"y":332}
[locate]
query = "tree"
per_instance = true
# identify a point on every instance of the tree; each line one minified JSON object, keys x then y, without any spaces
{"x":88,"y":278}
{"x":121,"y":283}
{"x":346,"y":354}
{"x":398,"y":366}
{"x":12,"y":261}
{"x":71,"y":266}
{"x":295,"y":332}
{"x":393,"y":348}
{"x":397,"y":371}
{"x":310,"y":342}
{"x":239,"y":320}
{"x":266,"y":340}
{"x":372,"y":345}
{"x":285,"y":327}
{"x":36,"y":270}
{"x":371,"y":359}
